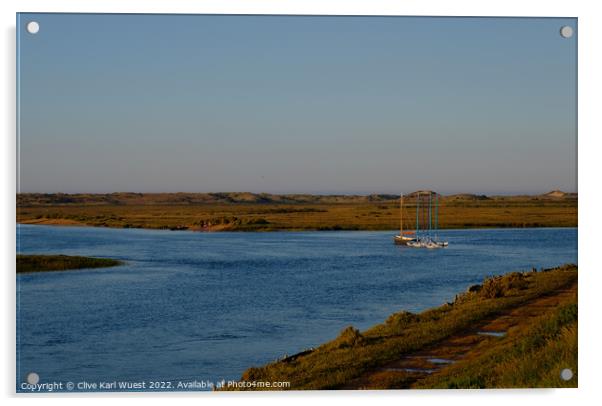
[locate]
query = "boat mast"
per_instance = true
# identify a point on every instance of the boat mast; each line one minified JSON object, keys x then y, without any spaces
{"x":401,"y":215}
{"x":425,"y":217}
{"x":417,"y":211}
{"x":436,"y":215}
{"x":430,"y":216}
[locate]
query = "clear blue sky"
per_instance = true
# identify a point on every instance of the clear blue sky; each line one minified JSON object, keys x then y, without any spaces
{"x":281,"y":104}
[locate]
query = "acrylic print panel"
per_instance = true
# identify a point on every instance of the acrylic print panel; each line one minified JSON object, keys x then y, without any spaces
{"x":220,"y":202}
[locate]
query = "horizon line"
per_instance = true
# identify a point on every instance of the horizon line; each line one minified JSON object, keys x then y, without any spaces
{"x":313,"y":193}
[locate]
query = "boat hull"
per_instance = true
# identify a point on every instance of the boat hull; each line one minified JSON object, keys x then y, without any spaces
{"x":400,"y":240}
{"x":418,"y":243}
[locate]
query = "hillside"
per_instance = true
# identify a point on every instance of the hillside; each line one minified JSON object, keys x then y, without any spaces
{"x":40,"y":199}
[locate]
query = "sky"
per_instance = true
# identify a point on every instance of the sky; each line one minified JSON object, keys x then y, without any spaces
{"x":296,"y":104}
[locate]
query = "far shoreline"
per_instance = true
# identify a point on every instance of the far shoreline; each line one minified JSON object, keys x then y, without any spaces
{"x":81,"y":225}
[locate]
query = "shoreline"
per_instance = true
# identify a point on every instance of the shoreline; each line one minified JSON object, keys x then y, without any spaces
{"x":488,"y":337}
{"x":292,"y":230}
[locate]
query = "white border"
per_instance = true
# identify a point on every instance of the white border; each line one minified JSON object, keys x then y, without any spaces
{"x":590,"y":34}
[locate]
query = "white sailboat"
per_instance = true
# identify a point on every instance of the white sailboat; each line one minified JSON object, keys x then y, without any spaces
{"x":402,"y":239}
{"x":426,"y":239}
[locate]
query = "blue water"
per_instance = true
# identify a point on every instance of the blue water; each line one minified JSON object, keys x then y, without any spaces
{"x":206,"y":306}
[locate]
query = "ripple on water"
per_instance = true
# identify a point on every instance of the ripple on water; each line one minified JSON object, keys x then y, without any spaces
{"x":492,"y":333}
{"x":440,"y":361}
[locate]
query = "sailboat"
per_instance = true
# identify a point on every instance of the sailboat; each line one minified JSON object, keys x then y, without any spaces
{"x":428,"y":238}
{"x":402,"y":239}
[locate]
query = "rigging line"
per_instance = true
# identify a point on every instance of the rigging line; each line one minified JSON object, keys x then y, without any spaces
{"x":430,"y":217}
{"x":417,"y":211}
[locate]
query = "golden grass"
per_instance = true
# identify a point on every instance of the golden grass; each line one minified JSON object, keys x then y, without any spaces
{"x":328,"y":214}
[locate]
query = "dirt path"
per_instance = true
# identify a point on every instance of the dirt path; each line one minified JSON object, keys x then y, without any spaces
{"x":427,"y":362}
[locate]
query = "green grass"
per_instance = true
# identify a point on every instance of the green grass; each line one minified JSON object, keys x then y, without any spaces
{"x":45,"y":263}
{"x":537,"y":353}
{"x":532,"y":358}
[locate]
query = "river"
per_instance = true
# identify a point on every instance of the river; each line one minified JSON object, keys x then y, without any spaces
{"x":206,"y":306}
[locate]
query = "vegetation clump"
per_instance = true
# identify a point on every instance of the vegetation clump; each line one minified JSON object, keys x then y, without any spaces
{"x":499,"y":286}
{"x":349,"y":337}
{"x":474,"y":288}
{"x":44,"y":263}
{"x":401,"y":319}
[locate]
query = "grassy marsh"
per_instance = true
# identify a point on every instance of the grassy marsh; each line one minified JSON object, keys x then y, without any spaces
{"x":45,"y":263}
{"x":260,"y":212}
